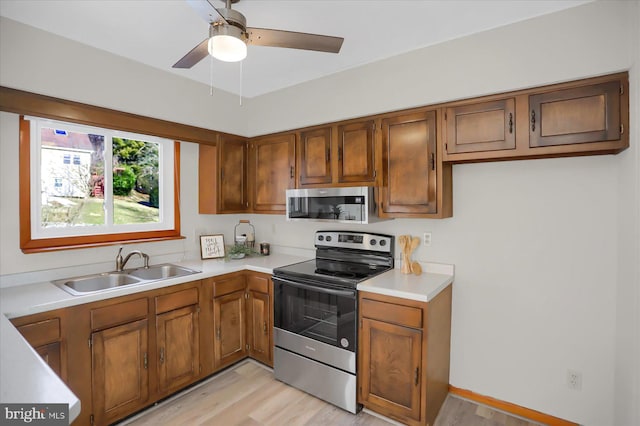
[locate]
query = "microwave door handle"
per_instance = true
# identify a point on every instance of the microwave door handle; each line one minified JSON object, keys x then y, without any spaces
{"x":334,"y":292}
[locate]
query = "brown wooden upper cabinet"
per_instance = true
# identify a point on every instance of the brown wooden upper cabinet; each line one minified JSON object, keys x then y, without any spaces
{"x":409,"y":164}
{"x":356,"y":152}
{"x":343,"y":154}
{"x":315,"y":156}
{"x":575,"y":116}
{"x":222,"y":176}
{"x":589,"y":116}
{"x":483,"y":126}
{"x":272,"y":171}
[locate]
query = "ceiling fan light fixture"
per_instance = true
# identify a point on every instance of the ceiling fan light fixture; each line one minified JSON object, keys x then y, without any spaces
{"x":227,"y":43}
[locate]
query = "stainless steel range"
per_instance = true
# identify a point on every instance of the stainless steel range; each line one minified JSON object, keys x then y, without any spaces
{"x":316,"y":313}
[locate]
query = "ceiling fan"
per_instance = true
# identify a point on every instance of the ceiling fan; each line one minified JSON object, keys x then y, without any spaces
{"x":229,"y":36}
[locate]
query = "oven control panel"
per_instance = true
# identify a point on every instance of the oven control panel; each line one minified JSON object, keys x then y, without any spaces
{"x":355,"y":240}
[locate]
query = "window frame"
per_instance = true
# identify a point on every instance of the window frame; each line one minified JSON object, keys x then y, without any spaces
{"x":30,"y":244}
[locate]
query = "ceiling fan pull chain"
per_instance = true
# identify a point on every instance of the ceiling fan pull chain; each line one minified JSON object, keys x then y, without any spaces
{"x":241,"y":82}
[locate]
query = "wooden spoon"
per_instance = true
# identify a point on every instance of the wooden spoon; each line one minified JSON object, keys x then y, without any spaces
{"x":416,"y":268}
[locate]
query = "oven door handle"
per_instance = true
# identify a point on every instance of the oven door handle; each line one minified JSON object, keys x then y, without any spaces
{"x":325,"y":290}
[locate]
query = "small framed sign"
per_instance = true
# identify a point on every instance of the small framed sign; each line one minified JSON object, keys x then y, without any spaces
{"x":211,"y":246}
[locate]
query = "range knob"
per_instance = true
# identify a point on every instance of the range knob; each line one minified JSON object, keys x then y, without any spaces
{"x":373,"y":242}
{"x":383,"y":243}
{"x":320,"y":237}
{"x":328,"y":238}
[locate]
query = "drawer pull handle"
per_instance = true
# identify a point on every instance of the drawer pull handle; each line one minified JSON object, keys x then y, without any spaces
{"x":510,"y":122}
{"x":533,"y":121}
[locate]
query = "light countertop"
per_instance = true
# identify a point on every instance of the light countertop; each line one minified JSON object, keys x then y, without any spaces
{"x":424,"y":287}
{"x":26,"y":377}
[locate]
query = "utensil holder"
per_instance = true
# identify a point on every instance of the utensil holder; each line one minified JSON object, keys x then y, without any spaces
{"x":250,"y":235}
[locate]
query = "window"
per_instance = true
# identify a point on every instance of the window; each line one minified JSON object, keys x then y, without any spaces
{"x":119,"y":187}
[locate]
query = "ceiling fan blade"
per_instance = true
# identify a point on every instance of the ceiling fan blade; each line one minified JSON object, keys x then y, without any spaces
{"x":196,"y":54}
{"x":294,"y":40}
{"x":206,"y":10}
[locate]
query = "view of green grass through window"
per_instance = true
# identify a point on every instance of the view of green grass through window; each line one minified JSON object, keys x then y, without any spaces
{"x":73,"y":181}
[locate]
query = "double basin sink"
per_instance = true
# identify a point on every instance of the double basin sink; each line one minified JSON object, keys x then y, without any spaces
{"x":108,"y":280}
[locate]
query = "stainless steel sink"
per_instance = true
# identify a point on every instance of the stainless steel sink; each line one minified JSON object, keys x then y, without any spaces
{"x":108,"y":280}
{"x":98,"y":282}
{"x":160,"y":272}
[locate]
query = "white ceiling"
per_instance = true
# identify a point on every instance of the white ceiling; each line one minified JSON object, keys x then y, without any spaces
{"x":158,"y":33}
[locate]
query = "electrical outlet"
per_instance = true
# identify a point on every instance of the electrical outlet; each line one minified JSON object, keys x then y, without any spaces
{"x":426,"y":239}
{"x":574,"y":380}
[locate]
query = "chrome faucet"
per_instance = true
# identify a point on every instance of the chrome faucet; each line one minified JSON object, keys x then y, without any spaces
{"x":120,"y":263}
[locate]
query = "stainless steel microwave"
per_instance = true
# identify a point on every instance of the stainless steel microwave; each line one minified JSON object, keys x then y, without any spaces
{"x":344,"y":205}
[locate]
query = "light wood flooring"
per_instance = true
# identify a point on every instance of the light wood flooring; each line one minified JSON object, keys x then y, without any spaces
{"x":248,"y":395}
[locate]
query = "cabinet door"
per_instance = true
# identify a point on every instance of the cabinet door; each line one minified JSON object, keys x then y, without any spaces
{"x":409,"y":160}
{"x":356,"y":153}
{"x":178,"y":340}
{"x":259,"y":323}
{"x":390,"y":370}
{"x":575,"y":116}
{"x":45,"y":336}
{"x":119,"y":371}
{"x":485,"y":126}
{"x":233,"y":175}
{"x":315,"y":156}
{"x":229,"y":321}
{"x":273,"y":172}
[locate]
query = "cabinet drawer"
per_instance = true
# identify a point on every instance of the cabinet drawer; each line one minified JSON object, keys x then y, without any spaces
{"x":390,"y":312}
{"x":228,"y":285}
{"x":41,"y":333}
{"x":120,"y":313}
{"x":258,"y":283}
{"x":169,"y":302}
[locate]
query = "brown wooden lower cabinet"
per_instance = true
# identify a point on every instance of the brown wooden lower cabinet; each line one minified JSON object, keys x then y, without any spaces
{"x":45,"y":336}
{"x":178,"y":348}
{"x":143,"y":347}
{"x":120,"y":372}
{"x":404,"y":356}
{"x":259,"y":318}
{"x":242,"y":318}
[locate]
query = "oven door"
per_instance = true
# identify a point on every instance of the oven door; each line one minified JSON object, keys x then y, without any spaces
{"x":316,"y":311}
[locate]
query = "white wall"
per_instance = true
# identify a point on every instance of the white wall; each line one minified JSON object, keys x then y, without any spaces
{"x":546,"y":270}
{"x":546,"y":251}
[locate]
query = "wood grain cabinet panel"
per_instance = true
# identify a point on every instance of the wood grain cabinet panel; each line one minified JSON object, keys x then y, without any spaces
{"x":391,"y":367}
{"x":484,"y":126}
{"x":229,"y":321}
{"x":45,"y":337}
{"x":178,"y":340}
{"x":409,"y":163}
{"x":233,"y":189}
{"x":119,"y":371}
{"x":260,"y":317}
{"x":576,"y":115}
{"x":272,"y":171}
{"x":356,"y":153}
{"x":315,"y":156}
